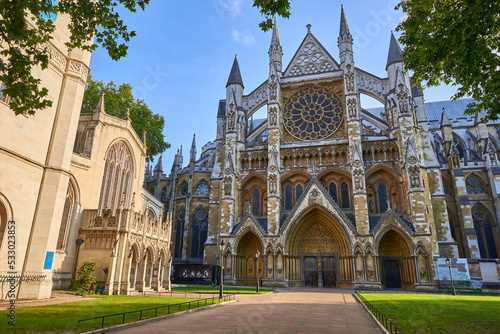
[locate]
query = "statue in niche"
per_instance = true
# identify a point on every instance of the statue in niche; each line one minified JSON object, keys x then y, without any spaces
{"x":351,"y":107}
{"x":349,"y":79}
{"x":414,"y":173}
{"x":358,"y":180}
{"x":273,"y":188}
{"x":372,"y":206}
{"x":273,"y":116}
{"x":228,"y":182}
{"x":231,"y":117}
{"x":395,"y":204}
{"x":273,"y":92}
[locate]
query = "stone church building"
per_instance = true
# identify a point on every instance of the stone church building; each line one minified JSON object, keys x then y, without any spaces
{"x":323,"y":192}
{"x":71,"y":190}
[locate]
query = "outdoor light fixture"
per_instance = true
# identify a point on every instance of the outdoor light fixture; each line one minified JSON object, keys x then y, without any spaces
{"x":257,"y":254}
{"x":448,"y":262}
{"x":221,"y":289}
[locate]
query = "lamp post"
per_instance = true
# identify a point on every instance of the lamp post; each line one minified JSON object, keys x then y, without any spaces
{"x":448,"y":262}
{"x":221,"y":289}
{"x":257,"y":254}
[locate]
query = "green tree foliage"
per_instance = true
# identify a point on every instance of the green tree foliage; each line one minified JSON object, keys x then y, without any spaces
{"x":117,"y":100}
{"x":26,"y":25}
{"x":271,"y":8}
{"x":84,"y":279}
{"x":456,"y":42}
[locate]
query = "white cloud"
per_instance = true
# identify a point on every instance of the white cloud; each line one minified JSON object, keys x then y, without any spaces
{"x":230,"y":7}
{"x":243,"y":37}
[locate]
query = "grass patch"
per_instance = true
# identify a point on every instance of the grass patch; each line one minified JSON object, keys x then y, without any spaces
{"x":63,"y":318}
{"x":422,"y":313}
{"x":227,"y":289}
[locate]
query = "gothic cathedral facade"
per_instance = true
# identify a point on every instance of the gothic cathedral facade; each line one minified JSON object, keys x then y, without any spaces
{"x":323,"y":192}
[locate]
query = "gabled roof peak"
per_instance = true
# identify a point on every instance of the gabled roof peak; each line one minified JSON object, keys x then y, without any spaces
{"x":235,"y":75}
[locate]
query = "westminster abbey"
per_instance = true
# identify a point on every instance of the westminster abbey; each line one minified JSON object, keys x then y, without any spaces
{"x":323,"y":192}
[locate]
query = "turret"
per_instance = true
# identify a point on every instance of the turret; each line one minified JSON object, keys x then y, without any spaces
{"x":395,"y":62}
{"x":275,"y":50}
{"x":235,"y":83}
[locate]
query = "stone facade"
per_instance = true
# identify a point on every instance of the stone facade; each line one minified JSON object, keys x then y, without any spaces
{"x":72,"y":185}
{"x":332,"y":194}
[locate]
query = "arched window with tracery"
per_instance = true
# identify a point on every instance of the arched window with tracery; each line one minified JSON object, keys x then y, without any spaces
{"x":474,"y":185}
{"x":484,"y":233}
{"x":179,"y":233}
{"x":382,"y":197}
{"x":200,"y":231}
{"x":67,"y":217}
{"x":288,"y":197}
{"x":117,"y":177}
{"x":332,"y":190}
{"x":256,"y":202}
{"x":344,"y":192}
{"x":298,"y":192}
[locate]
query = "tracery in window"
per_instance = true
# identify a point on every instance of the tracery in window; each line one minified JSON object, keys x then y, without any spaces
{"x":313,"y":113}
{"x":298,"y":192}
{"x":200,"y":232}
{"x":67,"y":217}
{"x":344,"y":192}
{"x":116,"y":177}
{"x":184,"y":189}
{"x":474,"y":185}
{"x":382,"y":197}
{"x":484,"y":233}
{"x":288,"y":197}
{"x":332,"y":190}
{"x":202,"y":189}
{"x":179,"y":233}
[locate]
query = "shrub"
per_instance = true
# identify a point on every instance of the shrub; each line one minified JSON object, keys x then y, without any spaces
{"x":85,"y":281}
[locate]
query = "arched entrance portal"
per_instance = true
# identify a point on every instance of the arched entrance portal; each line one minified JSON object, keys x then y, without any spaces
{"x":318,"y":251}
{"x":246,"y":264}
{"x":396,"y":264}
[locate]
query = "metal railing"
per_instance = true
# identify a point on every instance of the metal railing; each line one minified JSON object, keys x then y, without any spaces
{"x":383,"y":320}
{"x":170,"y":309}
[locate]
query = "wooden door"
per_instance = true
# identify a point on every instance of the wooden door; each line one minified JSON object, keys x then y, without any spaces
{"x":311,"y":271}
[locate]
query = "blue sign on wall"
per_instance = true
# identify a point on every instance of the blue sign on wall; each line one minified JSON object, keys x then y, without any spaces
{"x":49,"y":258}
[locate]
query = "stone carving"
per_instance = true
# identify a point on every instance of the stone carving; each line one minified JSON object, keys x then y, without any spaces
{"x":351,"y":108}
{"x":273,"y":88}
{"x":358,"y":179}
{"x":314,"y":193}
{"x":394,"y":204}
{"x":349,"y":79}
{"x":414,"y":175}
{"x":455,"y":156}
{"x":273,"y":116}
{"x":228,"y":183}
{"x":231,"y":117}
{"x":403,"y":99}
{"x":311,"y":58}
{"x":492,"y":152}
{"x":372,"y":206}
{"x":273,"y":184}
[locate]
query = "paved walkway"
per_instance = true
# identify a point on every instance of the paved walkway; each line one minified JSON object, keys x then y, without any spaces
{"x":296,"y":311}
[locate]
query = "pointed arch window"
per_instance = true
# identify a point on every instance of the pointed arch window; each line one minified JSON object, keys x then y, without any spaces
{"x":179,"y":234}
{"x":288,"y":197}
{"x":332,"y":190}
{"x":460,"y":148}
{"x":382,"y":197}
{"x":298,"y":192}
{"x":474,"y":185}
{"x":67,"y":217}
{"x":484,"y":233}
{"x":118,"y":170}
{"x":256,"y":202}
{"x":200,"y":232}
{"x":344,"y":193}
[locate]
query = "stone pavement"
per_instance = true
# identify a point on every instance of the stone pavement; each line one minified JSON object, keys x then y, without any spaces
{"x":297,"y":311}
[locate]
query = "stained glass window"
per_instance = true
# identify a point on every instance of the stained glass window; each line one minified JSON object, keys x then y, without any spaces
{"x":298,"y":192}
{"x":332,"y":190}
{"x":184,"y":189}
{"x":313,"y":113}
{"x":200,"y":229}
{"x":382,"y":197}
{"x":202,"y":189}
{"x":179,"y":234}
{"x":288,"y":197}
{"x":486,"y":241}
{"x":256,"y":202}
{"x":475,"y":186}
{"x":344,"y":192}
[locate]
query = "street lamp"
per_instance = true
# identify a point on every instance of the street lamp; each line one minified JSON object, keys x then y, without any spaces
{"x":221,"y":288}
{"x":448,"y":262}
{"x":257,"y":254}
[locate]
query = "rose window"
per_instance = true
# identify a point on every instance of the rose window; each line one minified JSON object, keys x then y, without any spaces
{"x":313,"y":113}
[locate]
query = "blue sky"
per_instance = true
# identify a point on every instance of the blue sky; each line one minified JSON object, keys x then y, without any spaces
{"x":180,"y":59}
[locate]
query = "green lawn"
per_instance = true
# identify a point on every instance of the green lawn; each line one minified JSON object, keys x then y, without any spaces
{"x":227,"y":289}
{"x":63,"y":318}
{"x":422,"y":313}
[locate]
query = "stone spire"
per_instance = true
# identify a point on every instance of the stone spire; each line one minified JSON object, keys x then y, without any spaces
{"x":275,"y":39}
{"x":344,"y":28}
{"x":193,"y":149}
{"x":394,"y":51}
{"x":100,"y":104}
{"x":235,"y":75}
{"x":275,"y":50}
{"x":159,"y":165}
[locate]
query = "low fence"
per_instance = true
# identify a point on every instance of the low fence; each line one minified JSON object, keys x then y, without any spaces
{"x":386,"y":322}
{"x":169,"y":309}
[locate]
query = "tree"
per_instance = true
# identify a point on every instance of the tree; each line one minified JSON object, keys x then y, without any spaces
{"x":27,"y":25}
{"x":85,"y":280}
{"x":116,"y":101}
{"x":269,"y":9}
{"x":456,"y":42}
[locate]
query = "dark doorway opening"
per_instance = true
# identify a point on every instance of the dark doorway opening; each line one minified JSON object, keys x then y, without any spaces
{"x":311,"y":271}
{"x":392,"y":274}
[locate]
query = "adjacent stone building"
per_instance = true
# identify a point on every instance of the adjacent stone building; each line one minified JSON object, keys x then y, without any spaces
{"x":326,"y":193}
